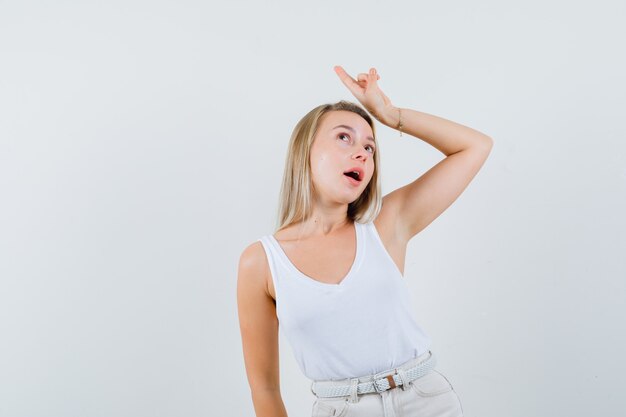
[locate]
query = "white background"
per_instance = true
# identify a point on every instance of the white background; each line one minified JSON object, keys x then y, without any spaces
{"x":142,"y":147}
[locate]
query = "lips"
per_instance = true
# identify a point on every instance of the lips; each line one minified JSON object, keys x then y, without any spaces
{"x":352,"y":181}
{"x":355,"y":173}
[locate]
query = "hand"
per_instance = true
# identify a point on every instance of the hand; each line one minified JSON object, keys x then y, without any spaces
{"x":366,"y":90}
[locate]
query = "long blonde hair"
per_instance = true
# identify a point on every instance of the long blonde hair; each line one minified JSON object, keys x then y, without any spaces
{"x":296,"y":194}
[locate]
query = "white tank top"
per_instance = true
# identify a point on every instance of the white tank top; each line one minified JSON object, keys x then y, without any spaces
{"x":361,"y":326}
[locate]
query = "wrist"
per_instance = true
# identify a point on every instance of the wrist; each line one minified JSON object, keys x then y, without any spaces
{"x":391,"y":117}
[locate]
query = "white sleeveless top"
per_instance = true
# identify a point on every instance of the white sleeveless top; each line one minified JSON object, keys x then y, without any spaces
{"x":361,"y":326}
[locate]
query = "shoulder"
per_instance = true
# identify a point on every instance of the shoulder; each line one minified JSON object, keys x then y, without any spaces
{"x":253,"y":267}
{"x":252,"y":256}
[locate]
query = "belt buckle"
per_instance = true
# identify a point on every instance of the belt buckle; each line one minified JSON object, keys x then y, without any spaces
{"x":390,"y":380}
{"x":376,"y":389}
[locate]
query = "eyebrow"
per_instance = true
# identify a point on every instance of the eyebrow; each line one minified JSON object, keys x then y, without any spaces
{"x":353,"y":131}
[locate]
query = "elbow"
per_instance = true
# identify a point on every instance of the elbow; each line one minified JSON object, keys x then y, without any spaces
{"x":486,"y":143}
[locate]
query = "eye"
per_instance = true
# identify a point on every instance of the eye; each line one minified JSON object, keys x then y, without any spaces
{"x":373,"y":149}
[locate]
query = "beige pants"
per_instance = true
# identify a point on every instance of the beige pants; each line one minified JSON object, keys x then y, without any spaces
{"x":431,"y":395}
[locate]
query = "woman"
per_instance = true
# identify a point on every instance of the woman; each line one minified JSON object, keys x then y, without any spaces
{"x":332,"y":274}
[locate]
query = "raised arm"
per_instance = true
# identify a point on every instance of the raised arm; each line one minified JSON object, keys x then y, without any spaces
{"x":420,"y":202}
{"x":259,"y":332}
{"x":415,"y":205}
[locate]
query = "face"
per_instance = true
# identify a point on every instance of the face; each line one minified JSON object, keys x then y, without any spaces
{"x":342,"y":143}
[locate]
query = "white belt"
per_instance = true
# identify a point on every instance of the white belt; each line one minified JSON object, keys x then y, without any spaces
{"x":380,"y":384}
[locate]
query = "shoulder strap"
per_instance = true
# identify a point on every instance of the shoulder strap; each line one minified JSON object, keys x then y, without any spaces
{"x":271,"y":260}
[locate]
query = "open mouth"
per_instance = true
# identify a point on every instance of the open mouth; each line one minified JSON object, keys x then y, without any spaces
{"x":353,"y":174}
{"x":353,"y":178}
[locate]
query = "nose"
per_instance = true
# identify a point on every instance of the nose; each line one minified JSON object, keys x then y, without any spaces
{"x":361,"y":154}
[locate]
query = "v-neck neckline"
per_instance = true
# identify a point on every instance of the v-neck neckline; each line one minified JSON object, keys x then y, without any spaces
{"x":305,"y":278}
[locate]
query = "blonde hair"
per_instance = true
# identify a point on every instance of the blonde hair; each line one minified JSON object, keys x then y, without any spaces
{"x":296,"y":194}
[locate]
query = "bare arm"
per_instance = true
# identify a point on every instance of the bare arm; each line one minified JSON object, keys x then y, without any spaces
{"x":417,"y":204}
{"x":259,"y":332}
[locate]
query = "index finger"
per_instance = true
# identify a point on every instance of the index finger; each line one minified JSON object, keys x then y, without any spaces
{"x":346,"y":79}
